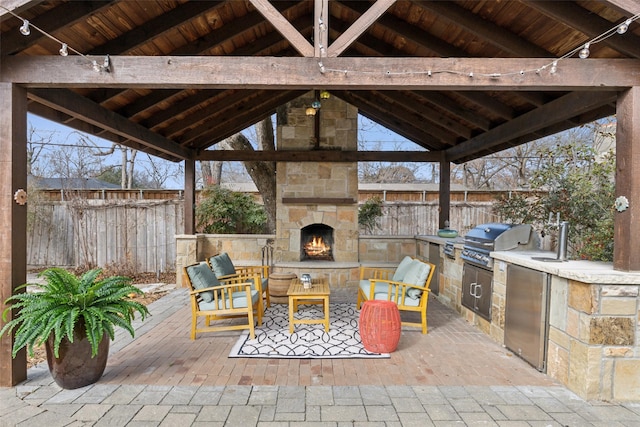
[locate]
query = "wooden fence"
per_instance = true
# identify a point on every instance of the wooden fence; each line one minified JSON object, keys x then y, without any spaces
{"x":136,"y":234}
{"x":140,"y":234}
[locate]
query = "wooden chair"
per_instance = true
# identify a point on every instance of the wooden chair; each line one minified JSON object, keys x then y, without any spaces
{"x":223,"y":267}
{"x":407,"y":286}
{"x":220,"y":300}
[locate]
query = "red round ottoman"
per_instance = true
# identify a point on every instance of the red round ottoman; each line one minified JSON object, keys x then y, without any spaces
{"x":380,"y":326}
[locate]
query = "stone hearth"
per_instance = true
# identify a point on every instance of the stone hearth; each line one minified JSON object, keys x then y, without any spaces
{"x":310,"y":193}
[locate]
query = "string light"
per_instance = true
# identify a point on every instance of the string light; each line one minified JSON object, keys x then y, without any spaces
{"x":25,"y":30}
{"x":583,"y":52}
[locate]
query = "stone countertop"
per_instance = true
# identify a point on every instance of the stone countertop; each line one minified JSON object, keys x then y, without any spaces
{"x":458,"y":241}
{"x":582,"y":271}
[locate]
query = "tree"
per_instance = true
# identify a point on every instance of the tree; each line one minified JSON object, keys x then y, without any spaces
{"x":263,"y":174}
{"x":575,"y":180}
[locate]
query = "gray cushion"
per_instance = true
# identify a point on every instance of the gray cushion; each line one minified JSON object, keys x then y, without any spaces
{"x":414,"y":293}
{"x":222,"y":265}
{"x":202,"y":277}
{"x":417,"y":274}
{"x":239,"y":301}
{"x":402,"y":269}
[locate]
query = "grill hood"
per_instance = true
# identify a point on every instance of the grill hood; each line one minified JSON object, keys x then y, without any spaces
{"x":499,"y":237}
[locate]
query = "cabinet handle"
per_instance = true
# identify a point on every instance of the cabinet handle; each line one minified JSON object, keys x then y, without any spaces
{"x":472,"y":289}
{"x":478,"y":295}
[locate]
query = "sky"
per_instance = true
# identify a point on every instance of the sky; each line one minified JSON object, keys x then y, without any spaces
{"x":371,"y":136}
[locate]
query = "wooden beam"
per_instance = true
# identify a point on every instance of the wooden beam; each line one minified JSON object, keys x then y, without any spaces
{"x":444,"y":191}
{"x":284,"y":27}
{"x":555,"y":111}
{"x":336,"y":156}
{"x":626,"y":251}
{"x":13,"y":216}
{"x":360,"y":26}
{"x":320,"y":27}
{"x":161,"y":72}
{"x":90,"y":112}
{"x":65,"y":15}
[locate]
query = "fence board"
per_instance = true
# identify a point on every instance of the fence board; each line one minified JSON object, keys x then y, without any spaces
{"x":140,"y":234}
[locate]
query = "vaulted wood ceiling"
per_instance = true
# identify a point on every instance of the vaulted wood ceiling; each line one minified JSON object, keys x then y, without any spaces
{"x":456,"y":122}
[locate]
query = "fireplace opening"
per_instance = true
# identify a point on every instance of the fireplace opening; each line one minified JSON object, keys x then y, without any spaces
{"x":316,"y":243}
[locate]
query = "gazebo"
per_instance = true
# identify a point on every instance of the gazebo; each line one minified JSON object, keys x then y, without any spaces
{"x":461,"y":79}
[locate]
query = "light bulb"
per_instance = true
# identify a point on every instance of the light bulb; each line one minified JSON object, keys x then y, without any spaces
{"x":622,"y":28}
{"x":584,"y":52}
{"x":325,"y":94}
{"x":554,"y":67}
{"x":24,"y":29}
{"x":63,"y":50}
{"x":310,"y":111}
{"x":316,"y":104}
{"x":96,"y":67}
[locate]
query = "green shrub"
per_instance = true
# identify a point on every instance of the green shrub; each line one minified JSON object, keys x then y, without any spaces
{"x":222,"y":211}
{"x":369,"y":212}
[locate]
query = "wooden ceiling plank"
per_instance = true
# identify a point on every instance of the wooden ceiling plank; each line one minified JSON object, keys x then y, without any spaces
{"x":588,"y":23}
{"x":90,"y":112}
{"x":360,"y":26}
{"x":181,"y":107}
{"x":410,"y":32}
{"x":488,"y":103}
{"x":425,"y":118}
{"x":318,"y":156}
{"x":555,"y":111}
{"x":244,"y":118}
{"x":372,"y":111}
{"x":284,"y":27}
{"x":205,"y":117}
{"x":142,"y":34}
{"x":488,"y":31}
{"x":289,"y":73}
{"x":62,"y":16}
{"x":443,"y":102}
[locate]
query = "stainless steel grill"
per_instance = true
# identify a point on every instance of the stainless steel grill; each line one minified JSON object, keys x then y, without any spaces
{"x":485,"y":238}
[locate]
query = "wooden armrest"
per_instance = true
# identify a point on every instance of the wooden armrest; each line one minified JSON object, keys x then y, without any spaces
{"x":375,"y":273}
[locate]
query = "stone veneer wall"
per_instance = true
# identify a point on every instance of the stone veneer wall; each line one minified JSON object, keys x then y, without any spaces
{"x":309,"y":187}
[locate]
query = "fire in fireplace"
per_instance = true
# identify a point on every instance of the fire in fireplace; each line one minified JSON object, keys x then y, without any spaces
{"x":315,"y":243}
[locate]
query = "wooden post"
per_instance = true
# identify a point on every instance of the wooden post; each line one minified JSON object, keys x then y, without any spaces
{"x":189,"y":196}
{"x":13,"y":217}
{"x":626,"y":251}
{"x":444,"y":192}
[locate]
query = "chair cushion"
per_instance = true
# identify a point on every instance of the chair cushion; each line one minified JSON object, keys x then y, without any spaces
{"x":401,"y":270}
{"x":222,"y":265}
{"x":414,"y":293}
{"x":202,"y":277}
{"x":417,"y":273}
{"x":239,"y":301}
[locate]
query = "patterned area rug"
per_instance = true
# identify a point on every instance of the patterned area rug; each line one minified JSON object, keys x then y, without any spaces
{"x":307,"y":341}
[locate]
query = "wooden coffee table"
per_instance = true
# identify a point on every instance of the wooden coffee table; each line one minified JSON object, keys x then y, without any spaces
{"x":317,"y":294}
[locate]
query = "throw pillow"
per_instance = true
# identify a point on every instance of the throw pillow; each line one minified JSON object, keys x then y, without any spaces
{"x":417,"y":274}
{"x":401,"y":270}
{"x":222,"y":265}
{"x":202,"y":277}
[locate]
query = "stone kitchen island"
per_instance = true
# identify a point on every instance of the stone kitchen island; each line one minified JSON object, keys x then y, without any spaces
{"x":593,"y":316}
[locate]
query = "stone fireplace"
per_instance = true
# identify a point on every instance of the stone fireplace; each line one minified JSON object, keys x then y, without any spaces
{"x":321,"y":198}
{"x":316,"y":243}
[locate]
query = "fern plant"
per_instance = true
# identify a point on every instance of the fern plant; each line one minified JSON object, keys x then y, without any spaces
{"x":64,"y":301}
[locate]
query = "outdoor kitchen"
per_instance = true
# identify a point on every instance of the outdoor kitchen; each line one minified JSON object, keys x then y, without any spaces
{"x":575,"y":320}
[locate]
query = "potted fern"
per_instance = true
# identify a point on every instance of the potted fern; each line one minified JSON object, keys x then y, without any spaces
{"x":74,"y":317}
